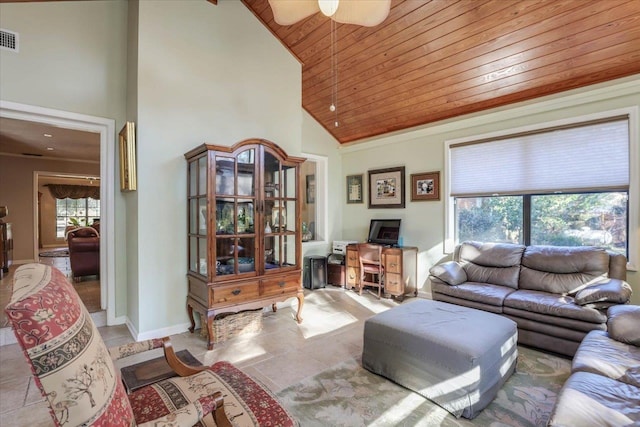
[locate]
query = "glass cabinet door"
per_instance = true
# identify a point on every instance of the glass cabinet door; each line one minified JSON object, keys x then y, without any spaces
{"x":280,"y":193}
{"x":198,"y":216}
{"x":235,"y":213}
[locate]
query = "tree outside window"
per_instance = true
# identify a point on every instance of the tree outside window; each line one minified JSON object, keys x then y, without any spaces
{"x":79,"y":212}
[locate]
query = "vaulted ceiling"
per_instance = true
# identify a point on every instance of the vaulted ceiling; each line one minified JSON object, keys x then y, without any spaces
{"x":433,"y":60}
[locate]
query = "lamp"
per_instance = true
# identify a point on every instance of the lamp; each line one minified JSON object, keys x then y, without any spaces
{"x":367,"y":13}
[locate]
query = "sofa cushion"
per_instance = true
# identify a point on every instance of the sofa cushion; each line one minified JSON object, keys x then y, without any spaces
{"x":494,"y":263}
{"x":624,"y":323}
{"x":480,"y":292}
{"x":68,"y":358}
{"x":449,"y":272}
{"x":602,"y":355}
{"x":611,"y":290}
{"x":562,"y":270}
{"x":553,"y":305}
{"x":588,"y":399}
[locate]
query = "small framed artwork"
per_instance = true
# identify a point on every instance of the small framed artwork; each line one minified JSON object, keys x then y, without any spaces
{"x":128,"y":157}
{"x":386,"y":188}
{"x":354,"y":188}
{"x":311,"y":189}
{"x":425,"y":186}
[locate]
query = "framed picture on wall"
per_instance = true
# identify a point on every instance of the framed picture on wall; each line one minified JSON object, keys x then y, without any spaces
{"x":311,"y":189}
{"x":354,"y":188}
{"x":425,"y":186}
{"x":128,"y":157}
{"x":386,"y":188}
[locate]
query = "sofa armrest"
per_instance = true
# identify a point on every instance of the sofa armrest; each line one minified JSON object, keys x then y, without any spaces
{"x":449,"y":272}
{"x":622,"y":323}
{"x":611,"y":290}
{"x":194,"y":412}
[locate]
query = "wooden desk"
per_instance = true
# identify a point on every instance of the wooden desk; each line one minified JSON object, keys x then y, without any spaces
{"x":400,"y":270}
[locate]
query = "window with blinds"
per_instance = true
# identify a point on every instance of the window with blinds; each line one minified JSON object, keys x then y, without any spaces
{"x":567,"y":186}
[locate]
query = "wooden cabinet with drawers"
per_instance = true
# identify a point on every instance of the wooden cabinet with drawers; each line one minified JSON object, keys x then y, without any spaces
{"x":244,"y":231}
{"x":400,"y":270}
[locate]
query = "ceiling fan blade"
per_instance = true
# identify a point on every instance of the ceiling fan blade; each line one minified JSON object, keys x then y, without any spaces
{"x":287,"y":12}
{"x":367,"y":13}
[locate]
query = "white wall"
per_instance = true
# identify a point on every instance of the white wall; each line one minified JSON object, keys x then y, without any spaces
{"x":317,"y":141}
{"x":205,"y":74}
{"x":72,"y":58}
{"x":422,"y":150}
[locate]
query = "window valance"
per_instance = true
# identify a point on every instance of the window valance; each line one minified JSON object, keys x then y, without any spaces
{"x":60,"y":191}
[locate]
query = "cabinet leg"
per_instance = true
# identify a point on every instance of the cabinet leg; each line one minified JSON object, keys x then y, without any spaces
{"x":210,"y":332}
{"x":191,"y":319}
{"x":274,"y":308}
{"x":300,"y":297}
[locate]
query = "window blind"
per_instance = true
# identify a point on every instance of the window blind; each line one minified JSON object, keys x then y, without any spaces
{"x":592,"y":156}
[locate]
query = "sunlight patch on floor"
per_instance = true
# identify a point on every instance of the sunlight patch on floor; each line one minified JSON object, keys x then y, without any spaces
{"x":318,"y":323}
{"x":405,"y":407}
{"x":375,"y":305}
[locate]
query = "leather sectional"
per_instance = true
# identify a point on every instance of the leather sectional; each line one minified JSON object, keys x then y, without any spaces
{"x":556,"y":295}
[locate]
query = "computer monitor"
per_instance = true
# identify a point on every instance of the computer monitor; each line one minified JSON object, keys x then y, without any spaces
{"x":384,"y":231}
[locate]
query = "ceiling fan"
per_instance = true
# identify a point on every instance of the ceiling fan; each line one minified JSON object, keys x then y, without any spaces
{"x":367,"y":13}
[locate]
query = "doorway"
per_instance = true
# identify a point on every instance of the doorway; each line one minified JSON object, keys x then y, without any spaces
{"x":106,"y":130}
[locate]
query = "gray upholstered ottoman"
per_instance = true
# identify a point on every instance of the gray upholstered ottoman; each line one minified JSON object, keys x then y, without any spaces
{"x":458,"y":357}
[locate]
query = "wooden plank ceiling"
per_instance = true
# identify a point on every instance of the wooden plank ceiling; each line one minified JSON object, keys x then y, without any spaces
{"x":433,"y":60}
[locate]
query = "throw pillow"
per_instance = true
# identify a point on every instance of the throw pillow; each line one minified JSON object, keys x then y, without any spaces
{"x":449,"y":272}
{"x":613,"y":290}
{"x":623,"y":322}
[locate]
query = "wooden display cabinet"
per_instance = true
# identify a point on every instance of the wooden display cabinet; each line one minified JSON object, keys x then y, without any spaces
{"x":244,"y":238}
{"x":400,"y":270}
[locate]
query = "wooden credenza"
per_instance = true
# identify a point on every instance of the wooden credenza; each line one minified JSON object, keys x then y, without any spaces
{"x":400,"y":270}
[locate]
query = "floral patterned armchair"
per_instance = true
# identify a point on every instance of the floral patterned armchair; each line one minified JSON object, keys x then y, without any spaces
{"x":75,"y":371}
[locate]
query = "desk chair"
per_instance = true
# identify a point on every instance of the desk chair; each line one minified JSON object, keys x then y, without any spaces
{"x":371,"y":268}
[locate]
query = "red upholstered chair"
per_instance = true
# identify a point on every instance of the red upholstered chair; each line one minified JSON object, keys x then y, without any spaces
{"x":75,"y":372}
{"x":84,"y":251}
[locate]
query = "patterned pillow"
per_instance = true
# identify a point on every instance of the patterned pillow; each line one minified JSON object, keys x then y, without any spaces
{"x":69,"y":360}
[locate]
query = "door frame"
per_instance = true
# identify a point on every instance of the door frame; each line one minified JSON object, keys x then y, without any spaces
{"x":106,"y":129}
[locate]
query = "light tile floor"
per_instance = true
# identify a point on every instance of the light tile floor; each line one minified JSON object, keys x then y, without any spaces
{"x":282,"y":354}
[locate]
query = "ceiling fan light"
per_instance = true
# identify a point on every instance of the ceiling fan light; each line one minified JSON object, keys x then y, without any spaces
{"x":367,"y":13}
{"x":287,"y":12}
{"x":328,"y":7}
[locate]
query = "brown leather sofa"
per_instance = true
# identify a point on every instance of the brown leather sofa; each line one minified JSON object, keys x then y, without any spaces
{"x":84,"y":251}
{"x":556,"y":295}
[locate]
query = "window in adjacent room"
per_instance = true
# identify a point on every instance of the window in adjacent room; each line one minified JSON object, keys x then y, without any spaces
{"x":565,"y":185}
{"x":313,"y":173}
{"x":75,"y":212}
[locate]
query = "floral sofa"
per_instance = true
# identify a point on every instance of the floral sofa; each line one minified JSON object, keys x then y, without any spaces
{"x":75,"y":373}
{"x":556,"y":295}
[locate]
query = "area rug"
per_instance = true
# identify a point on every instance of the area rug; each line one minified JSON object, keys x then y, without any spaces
{"x":348,"y":395}
{"x":56,"y":253}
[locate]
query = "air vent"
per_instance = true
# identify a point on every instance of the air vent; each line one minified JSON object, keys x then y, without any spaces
{"x":9,"y":40}
{"x":32,"y":154}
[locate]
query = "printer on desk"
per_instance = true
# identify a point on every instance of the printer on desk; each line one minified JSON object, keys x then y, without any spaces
{"x":340,"y":246}
{"x":336,"y":264}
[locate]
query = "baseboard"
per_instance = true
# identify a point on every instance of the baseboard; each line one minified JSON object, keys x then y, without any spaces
{"x":157,"y":333}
